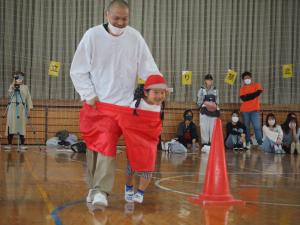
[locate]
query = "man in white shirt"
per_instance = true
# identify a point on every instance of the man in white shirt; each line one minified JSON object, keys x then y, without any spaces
{"x":104,"y":69}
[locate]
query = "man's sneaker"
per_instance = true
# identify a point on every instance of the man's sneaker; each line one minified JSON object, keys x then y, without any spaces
{"x":128,"y":194}
{"x":100,"y":199}
{"x":93,"y":208}
{"x":138,"y":197}
{"x":90,"y":196}
{"x":7,"y":147}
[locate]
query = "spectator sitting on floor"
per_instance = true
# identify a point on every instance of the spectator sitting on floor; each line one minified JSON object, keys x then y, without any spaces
{"x":272,"y":136}
{"x":235,"y":133}
{"x":187,"y":130}
{"x":291,"y":134}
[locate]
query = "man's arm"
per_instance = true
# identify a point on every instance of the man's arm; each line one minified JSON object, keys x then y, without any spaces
{"x":251,"y":96}
{"x":80,"y":71}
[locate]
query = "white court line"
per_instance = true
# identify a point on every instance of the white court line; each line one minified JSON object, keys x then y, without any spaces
{"x":157,"y":184}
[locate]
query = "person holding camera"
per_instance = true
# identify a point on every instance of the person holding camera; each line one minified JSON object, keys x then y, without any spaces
{"x":18,"y":110}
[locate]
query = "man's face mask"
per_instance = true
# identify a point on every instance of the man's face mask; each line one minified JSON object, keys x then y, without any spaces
{"x":247,"y":81}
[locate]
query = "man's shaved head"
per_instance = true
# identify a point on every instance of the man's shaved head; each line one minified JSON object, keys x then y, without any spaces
{"x":117,"y":3}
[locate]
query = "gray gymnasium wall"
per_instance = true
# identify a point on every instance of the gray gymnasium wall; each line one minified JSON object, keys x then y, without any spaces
{"x":205,"y":36}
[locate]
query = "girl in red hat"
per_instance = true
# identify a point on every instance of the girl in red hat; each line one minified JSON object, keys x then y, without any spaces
{"x":148,"y":100}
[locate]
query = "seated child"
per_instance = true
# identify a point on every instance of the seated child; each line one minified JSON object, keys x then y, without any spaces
{"x":291,"y":134}
{"x":235,"y":133}
{"x":272,"y":136}
{"x":187,"y":130}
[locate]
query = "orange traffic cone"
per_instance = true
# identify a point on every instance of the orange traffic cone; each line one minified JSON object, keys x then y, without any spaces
{"x":216,"y":188}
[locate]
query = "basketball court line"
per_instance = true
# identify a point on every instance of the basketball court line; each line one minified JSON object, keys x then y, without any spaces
{"x":157,"y":184}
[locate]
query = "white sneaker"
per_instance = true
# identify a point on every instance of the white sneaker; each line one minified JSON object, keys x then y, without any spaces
{"x":128,"y":195}
{"x":205,"y":148}
{"x":293,"y":148}
{"x":23,"y":147}
{"x":278,"y":149}
{"x":138,"y":197}
{"x":90,"y":196}
{"x":7,"y":147}
{"x":248,"y":146}
{"x":100,"y":199}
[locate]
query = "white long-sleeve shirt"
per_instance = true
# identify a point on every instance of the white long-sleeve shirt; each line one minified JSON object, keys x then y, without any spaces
{"x":107,"y":66}
{"x":145,"y":106}
{"x":274,"y":133}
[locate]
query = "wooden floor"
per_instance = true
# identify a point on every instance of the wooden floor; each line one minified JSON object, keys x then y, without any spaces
{"x":48,"y":187}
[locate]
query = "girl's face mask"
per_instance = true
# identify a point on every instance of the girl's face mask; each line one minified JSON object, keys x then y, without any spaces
{"x":188,"y":117}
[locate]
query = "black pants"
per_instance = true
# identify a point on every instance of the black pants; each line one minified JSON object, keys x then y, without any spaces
{"x":11,"y":136}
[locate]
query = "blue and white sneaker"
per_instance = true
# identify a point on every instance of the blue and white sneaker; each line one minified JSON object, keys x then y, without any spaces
{"x":128,"y":194}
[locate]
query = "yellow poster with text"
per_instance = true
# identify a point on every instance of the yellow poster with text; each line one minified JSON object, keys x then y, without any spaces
{"x":186,"y":78}
{"x":54,"y":68}
{"x":287,"y":70}
{"x":230,"y":77}
{"x":140,"y":81}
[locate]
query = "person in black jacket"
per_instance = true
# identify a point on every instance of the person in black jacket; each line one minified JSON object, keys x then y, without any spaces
{"x":235,"y":133}
{"x":187,"y":131}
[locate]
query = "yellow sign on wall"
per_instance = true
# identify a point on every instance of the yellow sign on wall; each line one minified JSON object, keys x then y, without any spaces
{"x":287,"y":70}
{"x":230,"y":77}
{"x":54,"y":68}
{"x":186,"y":78}
{"x":140,"y":81}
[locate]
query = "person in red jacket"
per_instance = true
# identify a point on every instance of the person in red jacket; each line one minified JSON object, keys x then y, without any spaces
{"x":250,"y":107}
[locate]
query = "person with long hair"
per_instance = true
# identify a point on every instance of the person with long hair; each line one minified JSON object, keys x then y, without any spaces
{"x":148,"y":99}
{"x":187,"y":131}
{"x":291,"y":134}
{"x":272,"y":136}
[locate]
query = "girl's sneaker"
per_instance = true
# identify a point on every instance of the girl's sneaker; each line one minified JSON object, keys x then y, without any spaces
{"x":128,"y":194}
{"x":138,"y":197}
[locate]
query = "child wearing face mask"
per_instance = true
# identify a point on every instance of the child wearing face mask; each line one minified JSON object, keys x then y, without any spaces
{"x":250,"y":107}
{"x":235,"y":133}
{"x":149,"y":97}
{"x":208,"y":101}
{"x":291,"y":134}
{"x":187,"y":130}
{"x":272,"y":136}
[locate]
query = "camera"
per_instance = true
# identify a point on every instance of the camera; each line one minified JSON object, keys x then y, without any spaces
{"x":17,"y":86}
{"x":17,"y":77}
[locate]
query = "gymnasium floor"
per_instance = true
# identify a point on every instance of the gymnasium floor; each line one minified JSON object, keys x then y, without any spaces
{"x":48,"y":187}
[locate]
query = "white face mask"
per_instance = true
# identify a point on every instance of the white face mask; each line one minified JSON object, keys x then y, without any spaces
{"x":116,"y":30}
{"x":271,"y":122}
{"x":292,"y":125}
{"x":234,"y":119}
{"x":247,"y":81}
